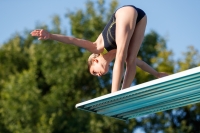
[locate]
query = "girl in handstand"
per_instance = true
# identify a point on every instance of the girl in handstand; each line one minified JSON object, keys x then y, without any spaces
{"x":120,"y":39}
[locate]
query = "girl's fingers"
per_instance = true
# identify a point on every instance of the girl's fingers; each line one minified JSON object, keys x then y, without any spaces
{"x":36,"y":33}
{"x":33,"y":33}
{"x":40,"y":33}
{"x":40,"y":38}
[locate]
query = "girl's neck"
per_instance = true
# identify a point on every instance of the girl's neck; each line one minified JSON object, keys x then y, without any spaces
{"x":110,"y":55}
{"x":99,"y":44}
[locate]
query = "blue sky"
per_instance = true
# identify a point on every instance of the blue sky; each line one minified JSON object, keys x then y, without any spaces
{"x":177,"y":21}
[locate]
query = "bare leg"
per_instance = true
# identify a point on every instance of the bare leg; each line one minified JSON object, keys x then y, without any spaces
{"x":133,"y":49}
{"x":125,"y":25}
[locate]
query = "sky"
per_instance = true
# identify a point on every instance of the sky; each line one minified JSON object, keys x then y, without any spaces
{"x":175,"y":20}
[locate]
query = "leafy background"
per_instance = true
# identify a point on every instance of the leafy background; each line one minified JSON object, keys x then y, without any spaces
{"x":41,"y":81}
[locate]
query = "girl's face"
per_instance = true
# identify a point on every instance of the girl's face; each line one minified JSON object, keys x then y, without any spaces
{"x":97,"y":69}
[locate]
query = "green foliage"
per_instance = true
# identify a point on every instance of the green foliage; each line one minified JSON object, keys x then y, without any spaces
{"x":163,"y":62}
{"x":88,"y":24}
{"x":147,"y":50}
{"x":180,"y":120}
{"x":41,"y":81}
{"x":191,"y":59}
{"x":20,"y":101}
{"x":155,"y":53}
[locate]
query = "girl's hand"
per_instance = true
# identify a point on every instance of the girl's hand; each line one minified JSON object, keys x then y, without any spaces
{"x":161,"y":74}
{"x":41,"y":34}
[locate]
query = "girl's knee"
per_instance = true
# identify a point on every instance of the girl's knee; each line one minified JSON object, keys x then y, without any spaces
{"x":131,"y":60}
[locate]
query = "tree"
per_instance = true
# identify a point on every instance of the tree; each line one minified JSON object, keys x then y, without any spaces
{"x":41,"y":81}
{"x":41,"y":92}
{"x":154,"y":52}
{"x":191,"y":59}
{"x":184,"y":119}
{"x":13,"y":60}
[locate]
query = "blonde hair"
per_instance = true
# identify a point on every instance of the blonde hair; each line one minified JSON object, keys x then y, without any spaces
{"x":92,"y":56}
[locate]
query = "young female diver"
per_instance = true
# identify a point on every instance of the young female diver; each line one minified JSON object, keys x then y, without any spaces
{"x":120,"y":39}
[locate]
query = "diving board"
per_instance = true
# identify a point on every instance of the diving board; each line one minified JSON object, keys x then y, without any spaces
{"x":162,"y":94}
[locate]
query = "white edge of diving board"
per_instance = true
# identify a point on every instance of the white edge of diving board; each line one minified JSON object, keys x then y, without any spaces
{"x":153,"y":82}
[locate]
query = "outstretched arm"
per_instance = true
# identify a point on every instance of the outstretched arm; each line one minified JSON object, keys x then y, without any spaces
{"x":43,"y":35}
{"x":144,"y":66}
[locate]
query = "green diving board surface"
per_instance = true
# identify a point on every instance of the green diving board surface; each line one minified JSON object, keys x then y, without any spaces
{"x":158,"y":95}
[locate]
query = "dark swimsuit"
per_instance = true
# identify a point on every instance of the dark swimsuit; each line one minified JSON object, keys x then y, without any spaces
{"x":109,"y":30}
